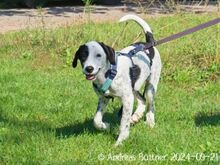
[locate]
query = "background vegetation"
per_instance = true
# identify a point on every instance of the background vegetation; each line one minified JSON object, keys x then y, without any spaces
{"x":163,"y":3}
{"x":46,"y":107}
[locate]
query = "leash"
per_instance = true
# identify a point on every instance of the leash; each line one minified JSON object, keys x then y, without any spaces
{"x":147,"y":46}
{"x":183,"y":33}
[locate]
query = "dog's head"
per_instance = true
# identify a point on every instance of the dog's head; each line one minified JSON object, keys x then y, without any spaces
{"x":93,"y":57}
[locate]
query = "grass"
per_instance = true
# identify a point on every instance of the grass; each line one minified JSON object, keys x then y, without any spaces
{"x":46,"y":107}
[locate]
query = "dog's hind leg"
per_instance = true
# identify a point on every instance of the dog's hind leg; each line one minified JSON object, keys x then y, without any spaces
{"x":151,"y":88}
{"x":149,"y":94}
{"x":138,"y":114}
{"x":98,"y":123}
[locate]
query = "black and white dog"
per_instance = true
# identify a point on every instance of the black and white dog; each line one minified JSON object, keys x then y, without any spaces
{"x":96,"y":60}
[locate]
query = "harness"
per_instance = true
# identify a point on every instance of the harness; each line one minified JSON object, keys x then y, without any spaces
{"x":111,"y":73}
{"x":150,"y":42}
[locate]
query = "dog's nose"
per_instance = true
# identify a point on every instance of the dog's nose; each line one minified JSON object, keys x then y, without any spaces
{"x":89,"y":69}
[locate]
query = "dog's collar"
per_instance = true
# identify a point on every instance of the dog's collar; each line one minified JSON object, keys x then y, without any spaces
{"x":110,"y":75}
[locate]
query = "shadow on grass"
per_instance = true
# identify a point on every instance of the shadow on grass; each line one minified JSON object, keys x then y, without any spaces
{"x":87,"y":126}
{"x":24,"y":124}
{"x":207,"y":119}
{"x":65,"y":131}
{"x":16,"y":131}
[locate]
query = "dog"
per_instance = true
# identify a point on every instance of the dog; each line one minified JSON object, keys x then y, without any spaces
{"x":142,"y":68}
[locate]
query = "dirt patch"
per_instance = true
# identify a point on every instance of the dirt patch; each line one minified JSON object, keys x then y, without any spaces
{"x":17,"y":19}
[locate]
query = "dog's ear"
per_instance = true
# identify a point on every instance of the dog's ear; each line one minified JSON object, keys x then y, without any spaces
{"x":110,"y":52}
{"x":77,"y":55}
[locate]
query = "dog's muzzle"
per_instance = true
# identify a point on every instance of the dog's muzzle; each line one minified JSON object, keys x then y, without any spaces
{"x":90,"y":76}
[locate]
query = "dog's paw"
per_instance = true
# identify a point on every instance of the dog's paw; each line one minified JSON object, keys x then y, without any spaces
{"x":122,"y":136}
{"x":135,"y":118}
{"x":102,"y":126}
{"x":150,"y":119}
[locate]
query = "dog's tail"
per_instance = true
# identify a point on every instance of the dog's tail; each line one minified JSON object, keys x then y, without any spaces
{"x":141,"y":22}
{"x":137,"y":19}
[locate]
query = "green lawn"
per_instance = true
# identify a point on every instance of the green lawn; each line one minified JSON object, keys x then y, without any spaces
{"x":46,"y":107}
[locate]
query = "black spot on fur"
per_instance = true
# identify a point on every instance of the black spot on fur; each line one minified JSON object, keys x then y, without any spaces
{"x":134,"y":74}
{"x":150,"y":39}
{"x":109,"y":51}
{"x":151,"y":55}
{"x":81,"y":54}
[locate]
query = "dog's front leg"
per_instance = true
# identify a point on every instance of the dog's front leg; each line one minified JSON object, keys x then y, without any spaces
{"x":127,"y":102}
{"x":98,"y":123}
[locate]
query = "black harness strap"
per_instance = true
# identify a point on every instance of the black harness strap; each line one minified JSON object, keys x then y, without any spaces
{"x":140,"y":46}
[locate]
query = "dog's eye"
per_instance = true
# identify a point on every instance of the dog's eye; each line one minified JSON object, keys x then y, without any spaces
{"x":83,"y":57}
{"x":98,"y":55}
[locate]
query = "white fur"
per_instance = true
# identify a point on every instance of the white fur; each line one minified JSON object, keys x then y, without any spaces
{"x":121,"y":85}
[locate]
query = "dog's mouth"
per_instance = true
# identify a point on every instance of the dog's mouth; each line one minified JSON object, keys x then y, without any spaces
{"x":91,"y":77}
